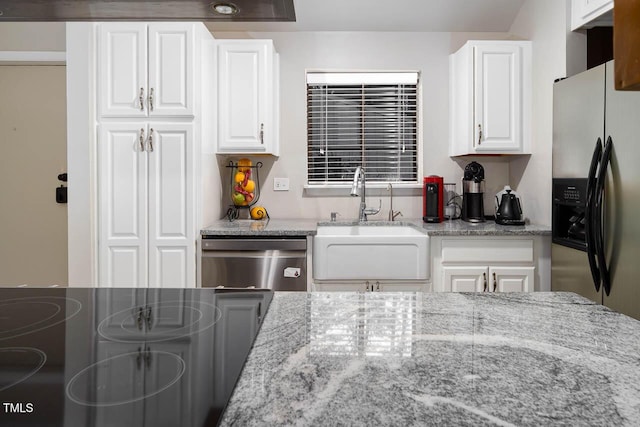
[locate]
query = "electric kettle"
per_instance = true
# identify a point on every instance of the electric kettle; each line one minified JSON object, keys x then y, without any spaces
{"x":508,"y":208}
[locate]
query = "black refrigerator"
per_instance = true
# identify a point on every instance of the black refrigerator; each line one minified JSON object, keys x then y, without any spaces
{"x":596,"y":166}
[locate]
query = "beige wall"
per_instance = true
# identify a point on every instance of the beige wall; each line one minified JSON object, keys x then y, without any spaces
{"x":38,"y":36}
{"x":33,"y":247}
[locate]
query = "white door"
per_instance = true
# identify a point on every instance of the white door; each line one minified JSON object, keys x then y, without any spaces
{"x":244,"y":86}
{"x":172,"y":239}
{"x":122,"y":70}
{"x":171,"y":65}
{"x":465,"y":279}
{"x":512,"y":279}
{"x":122,"y":204}
{"x":498,"y":97}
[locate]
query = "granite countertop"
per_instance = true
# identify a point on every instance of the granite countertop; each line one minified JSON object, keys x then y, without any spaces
{"x":263,"y":227}
{"x":307,"y":227}
{"x":440,"y":359}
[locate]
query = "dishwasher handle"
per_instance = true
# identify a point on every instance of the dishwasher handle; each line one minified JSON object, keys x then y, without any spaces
{"x":254,"y":244}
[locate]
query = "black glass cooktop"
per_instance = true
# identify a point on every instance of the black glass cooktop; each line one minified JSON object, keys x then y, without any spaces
{"x":123,"y":357}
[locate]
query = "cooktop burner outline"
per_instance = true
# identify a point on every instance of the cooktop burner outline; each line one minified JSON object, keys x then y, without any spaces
{"x":181,"y":368}
{"x":75,"y":305}
{"x":41,"y":362}
{"x":151,"y":336}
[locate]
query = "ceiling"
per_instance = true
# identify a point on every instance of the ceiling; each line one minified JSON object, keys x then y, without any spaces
{"x":390,"y":15}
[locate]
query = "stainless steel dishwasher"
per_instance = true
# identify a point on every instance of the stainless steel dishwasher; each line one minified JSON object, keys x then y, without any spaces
{"x":274,"y":263}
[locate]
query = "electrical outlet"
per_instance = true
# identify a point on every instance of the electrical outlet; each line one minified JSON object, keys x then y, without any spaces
{"x":280,"y":184}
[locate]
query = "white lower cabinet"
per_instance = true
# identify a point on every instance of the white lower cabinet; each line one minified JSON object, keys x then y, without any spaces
{"x":490,"y":264}
{"x":488,"y":279}
{"x":370,"y":286}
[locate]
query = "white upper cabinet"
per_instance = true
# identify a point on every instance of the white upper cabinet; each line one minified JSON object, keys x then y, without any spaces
{"x":146,"y":70}
{"x":248,"y":101}
{"x":490,"y":98}
{"x":588,"y":13}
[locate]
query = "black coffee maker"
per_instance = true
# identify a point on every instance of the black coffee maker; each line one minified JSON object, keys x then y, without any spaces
{"x":473,"y":193}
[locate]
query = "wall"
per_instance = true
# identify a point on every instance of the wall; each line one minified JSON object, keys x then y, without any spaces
{"x":544,"y":22}
{"x":38,"y":36}
{"x":426,"y":52}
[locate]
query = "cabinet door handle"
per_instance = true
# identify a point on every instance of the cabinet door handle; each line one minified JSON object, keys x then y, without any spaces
{"x":141,"y":139}
{"x":148,"y":318}
{"x":484,"y":279}
{"x":262,"y":133}
{"x":150,"y":99}
{"x":495,"y":282}
{"x":151,"y":139}
{"x":140,"y":319}
{"x":141,"y":98}
{"x":479,"y":134}
{"x":139,"y":358}
{"x":147,"y":357}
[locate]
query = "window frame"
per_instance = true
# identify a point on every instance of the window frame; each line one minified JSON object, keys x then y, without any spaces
{"x":341,"y":188}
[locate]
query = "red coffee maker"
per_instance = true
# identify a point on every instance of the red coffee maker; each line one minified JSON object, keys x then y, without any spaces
{"x":432,"y":199}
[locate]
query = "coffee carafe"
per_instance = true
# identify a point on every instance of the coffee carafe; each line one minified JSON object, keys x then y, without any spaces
{"x":473,"y":193}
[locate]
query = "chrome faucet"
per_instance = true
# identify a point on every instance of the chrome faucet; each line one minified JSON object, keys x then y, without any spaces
{"x":392,"y":214}
{"x":359,"y":179}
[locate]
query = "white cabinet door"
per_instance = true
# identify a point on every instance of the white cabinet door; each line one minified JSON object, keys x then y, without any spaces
{"x":498,"y":98}
{"x":147,"y":205}
{"x":171,"y":65}
{"x":465,"y":279}
{"x":122,"y":204}
{"x":122,"y":70}
{"x":490,"y":98}
{"x":585,"y":11}
{"x":246,"y":97}
{"x":146,"y":70}
{"x":171,"y":216}
{"x":512,"y":279}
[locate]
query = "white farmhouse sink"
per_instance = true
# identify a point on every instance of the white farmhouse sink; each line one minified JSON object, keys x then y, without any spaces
{"x":370,"y":252}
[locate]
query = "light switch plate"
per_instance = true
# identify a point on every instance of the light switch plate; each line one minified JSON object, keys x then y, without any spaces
{"x":280,"y":184}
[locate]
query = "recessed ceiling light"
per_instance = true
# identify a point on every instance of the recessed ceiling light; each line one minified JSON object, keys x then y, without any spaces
{"x":224,"y":8}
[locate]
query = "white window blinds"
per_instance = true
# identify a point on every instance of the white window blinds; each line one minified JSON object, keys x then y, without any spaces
{"x":367,"y":119}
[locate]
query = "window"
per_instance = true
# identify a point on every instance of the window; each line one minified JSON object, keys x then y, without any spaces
{"x":367,"y":119}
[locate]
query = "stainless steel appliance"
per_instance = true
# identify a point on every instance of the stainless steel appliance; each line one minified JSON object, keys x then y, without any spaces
{"x":595,"y":137}
{"x":473,"y":193}
{"x":274,"y":263}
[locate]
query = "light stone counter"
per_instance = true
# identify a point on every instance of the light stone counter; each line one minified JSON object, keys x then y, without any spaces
{"x":305,"y":227}
{"x":534,"y":359}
